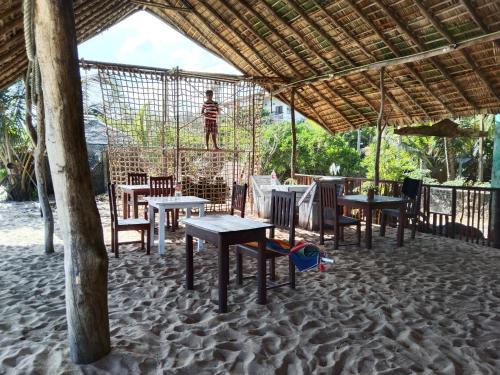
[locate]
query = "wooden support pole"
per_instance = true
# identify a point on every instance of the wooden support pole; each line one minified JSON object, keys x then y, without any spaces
{"x":495,"y":183}
{"x":480,"y":166}
{"x":85,"y":258}
{"x":293,"y":165}
{"x":380,"y":129}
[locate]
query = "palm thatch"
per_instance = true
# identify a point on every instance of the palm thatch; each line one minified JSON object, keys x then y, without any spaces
{"x":294,"y":40}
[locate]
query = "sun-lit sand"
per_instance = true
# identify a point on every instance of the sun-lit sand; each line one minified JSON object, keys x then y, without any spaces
{"x":432,"y":307}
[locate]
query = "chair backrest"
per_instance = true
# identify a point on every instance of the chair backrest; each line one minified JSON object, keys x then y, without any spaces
{"x":328,"y":193}
{"x":411,"y":190}
{"x":137,"y":178}
{"x":239,"y":198}
{"x":112,"y":204}
{"x":161,"y":186}
{"x":283,"y":210}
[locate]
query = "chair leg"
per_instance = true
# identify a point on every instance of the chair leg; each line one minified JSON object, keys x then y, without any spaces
{"x":382,"y":225}
{"x":142,"y":240}
{"x":336,"y":237}
{"x":272,"y":269}
{"x":112,"y":240}
{"x":358,"y":231}
{"x":413,"y":228}
{"x":117,"y":245}
{"x":291,"y":273}
{"x":239,"y":267}
{"x":148,"y":242}
{"x":321,"y":229}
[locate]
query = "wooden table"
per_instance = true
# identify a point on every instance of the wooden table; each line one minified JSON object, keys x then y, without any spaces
{"x":223,"y":231}
{"x":133,"y":191}
{"x":166,"y":203}
{"x":378,"y":202}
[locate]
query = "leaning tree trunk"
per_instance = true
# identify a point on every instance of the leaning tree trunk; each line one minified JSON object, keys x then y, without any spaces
{"x":85,"y":258}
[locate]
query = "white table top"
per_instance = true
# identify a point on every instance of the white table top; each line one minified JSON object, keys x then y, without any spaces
{"x":132,"y":187}
{"x":225,"y":223}
{"x":184,"y":200}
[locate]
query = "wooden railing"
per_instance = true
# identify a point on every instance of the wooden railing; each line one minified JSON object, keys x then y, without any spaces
{"x":460,"y":212}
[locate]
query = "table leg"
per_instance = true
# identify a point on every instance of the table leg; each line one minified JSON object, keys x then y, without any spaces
{"x":161,"y":231}
{"x":189,"y":262}
{"x":151,"y":225}
{"x":223,"y":277}
{"x":368,"y":233}
{"x":188,"y":212}
{"x":261,"y":274}
{"x":125,"y":205}
{"x":201,"y":213}
{"x":401,"y":225}
{"x":136,"y":206}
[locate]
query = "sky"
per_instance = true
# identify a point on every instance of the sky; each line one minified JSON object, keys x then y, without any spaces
{"x":143,"y":39}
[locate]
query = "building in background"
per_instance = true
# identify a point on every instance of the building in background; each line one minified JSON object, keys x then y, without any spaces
{"x":275,"y":111}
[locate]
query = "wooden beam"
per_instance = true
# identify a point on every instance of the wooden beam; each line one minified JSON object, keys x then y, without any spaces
{"x":334,"y":45}
{"x":338,"y":26}
{"x":86,"y":260}
{"x":319,"y":119}
{"x":412,"y":36}
{"x":212,"y":11}
{"x":163,"y":6}
{"x":326,"y":62}
{"x":297,"y":72}
{"x":435,"y":23}
{"x":396,"y":52}
{"x":399,"y":60}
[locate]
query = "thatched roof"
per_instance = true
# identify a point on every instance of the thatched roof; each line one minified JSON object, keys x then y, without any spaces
{"x":300,"y":39}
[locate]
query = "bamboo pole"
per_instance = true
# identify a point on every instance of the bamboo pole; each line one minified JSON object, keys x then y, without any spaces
{"x":85,"y":257}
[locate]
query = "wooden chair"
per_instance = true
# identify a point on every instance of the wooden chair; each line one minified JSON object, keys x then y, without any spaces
{"x":283,"y":212}
{"x":137,"y":179}
{"x":121,"y":225}
{"x":239,"y":198}
{"x":328,"y":193}
{"x":411,"y":192}
{"x":163,"y":186}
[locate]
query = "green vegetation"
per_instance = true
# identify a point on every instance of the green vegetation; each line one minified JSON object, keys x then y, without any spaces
{"x":16,"y":158}
{"x":418,"y":157}
{"x":316,"y":151}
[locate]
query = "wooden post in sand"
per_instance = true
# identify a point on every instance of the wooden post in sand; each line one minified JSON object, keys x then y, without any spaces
{"x":380,"y":129}
{"x":293,"y":164}
{"x":85,"y":258}
{"x":495,"y":183}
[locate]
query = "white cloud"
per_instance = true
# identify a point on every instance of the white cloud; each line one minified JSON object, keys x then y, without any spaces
{"x":143,"y":39}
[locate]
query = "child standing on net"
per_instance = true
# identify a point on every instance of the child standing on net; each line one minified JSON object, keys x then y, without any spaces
{"x":210,"y":110}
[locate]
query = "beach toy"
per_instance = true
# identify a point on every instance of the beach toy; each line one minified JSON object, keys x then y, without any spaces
{"x":304,"y":255}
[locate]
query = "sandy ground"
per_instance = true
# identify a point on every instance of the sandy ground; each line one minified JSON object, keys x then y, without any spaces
{"x":432,"y":307}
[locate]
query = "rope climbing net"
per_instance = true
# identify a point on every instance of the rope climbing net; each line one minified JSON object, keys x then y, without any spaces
{"x":155,"y":125}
